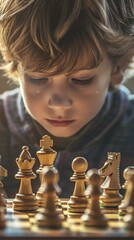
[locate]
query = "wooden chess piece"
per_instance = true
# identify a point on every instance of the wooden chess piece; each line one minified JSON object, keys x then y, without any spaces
{"x":48,"y":215}
{"x":93,"y":216}
{"x":46,"y":156}
{"x":3,"y":201}
{"x":129,"y":217}
{"x":2,"y":218}
{"x":78,"y":201}
{"x":111,"y":196}
{"x":129,"y":193}
{"x":25,"y":199}
{"x":3,"y":173}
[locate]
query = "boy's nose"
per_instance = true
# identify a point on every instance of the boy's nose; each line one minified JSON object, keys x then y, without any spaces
{"x":59,"y":102}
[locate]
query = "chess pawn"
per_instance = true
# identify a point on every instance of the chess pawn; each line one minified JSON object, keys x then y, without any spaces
{"x":48,"y":216}
{"x":46,"y":156}
{"x":129,"y":200}
{"x":93,"y":216}
{"x":78,"y":201}
{"x":129,"y":195}
{"x":3,"y":201}
{"x":129,"y":218}
{"x":25,"y":199}
{"x":3,"y":173}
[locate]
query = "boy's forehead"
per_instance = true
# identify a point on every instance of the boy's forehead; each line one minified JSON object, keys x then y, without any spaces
{"x":80,"y":66}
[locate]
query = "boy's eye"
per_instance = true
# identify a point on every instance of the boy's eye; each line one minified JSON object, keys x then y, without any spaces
{"x":82,"y":82}
{"x":37,"y":81}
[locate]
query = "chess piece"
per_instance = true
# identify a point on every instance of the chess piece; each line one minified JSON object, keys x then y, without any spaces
{"x":3,"y":201}
{"x":46,"y":156}
{"x":3,"y":173}
{"x":93,"y":216}
{"x":78,"y":201}
{"x":111,"y":196}
{"x":129,"y":200}
{"x":25,"y":199}
{"x":2,"y":218}
{"x":48,"y":215}
{"x":129,"y":193}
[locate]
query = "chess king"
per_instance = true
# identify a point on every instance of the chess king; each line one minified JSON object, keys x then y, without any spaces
{"x":46,"y":156}
{"x":68,"y":60}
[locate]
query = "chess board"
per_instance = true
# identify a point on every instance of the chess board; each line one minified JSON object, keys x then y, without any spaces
{"x":20,"y":225}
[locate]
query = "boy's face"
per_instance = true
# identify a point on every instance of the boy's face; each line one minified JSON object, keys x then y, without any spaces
{"x":63,"y":103}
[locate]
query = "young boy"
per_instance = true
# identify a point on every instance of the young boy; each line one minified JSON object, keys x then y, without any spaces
{"x":69,"y":58}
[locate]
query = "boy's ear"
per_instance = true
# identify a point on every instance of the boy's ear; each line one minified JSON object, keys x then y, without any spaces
{"x":120,"y":68}
{"x":117,"y":75}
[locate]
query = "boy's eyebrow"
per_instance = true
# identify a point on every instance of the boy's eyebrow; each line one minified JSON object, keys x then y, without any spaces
{"x":86,"y":71}
{"x":81,"y":71}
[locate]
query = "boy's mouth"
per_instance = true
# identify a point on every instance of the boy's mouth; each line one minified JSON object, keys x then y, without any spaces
{"x":60,"y":122}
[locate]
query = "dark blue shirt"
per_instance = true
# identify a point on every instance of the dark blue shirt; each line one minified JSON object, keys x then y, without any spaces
{"x":112,"y":130}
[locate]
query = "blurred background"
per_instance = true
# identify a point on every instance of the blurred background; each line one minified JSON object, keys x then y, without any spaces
{"x":7,"y":84}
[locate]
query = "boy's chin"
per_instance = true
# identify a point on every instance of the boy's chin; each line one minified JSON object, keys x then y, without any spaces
{"x":63,"y":133}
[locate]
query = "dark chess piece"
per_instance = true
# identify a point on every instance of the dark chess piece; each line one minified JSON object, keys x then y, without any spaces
{"x":93,"y":216}
{"x":3,"y":201}
{"x":2,"y":218}
{"x":48,"y":215}
{"x":3,"y":173}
